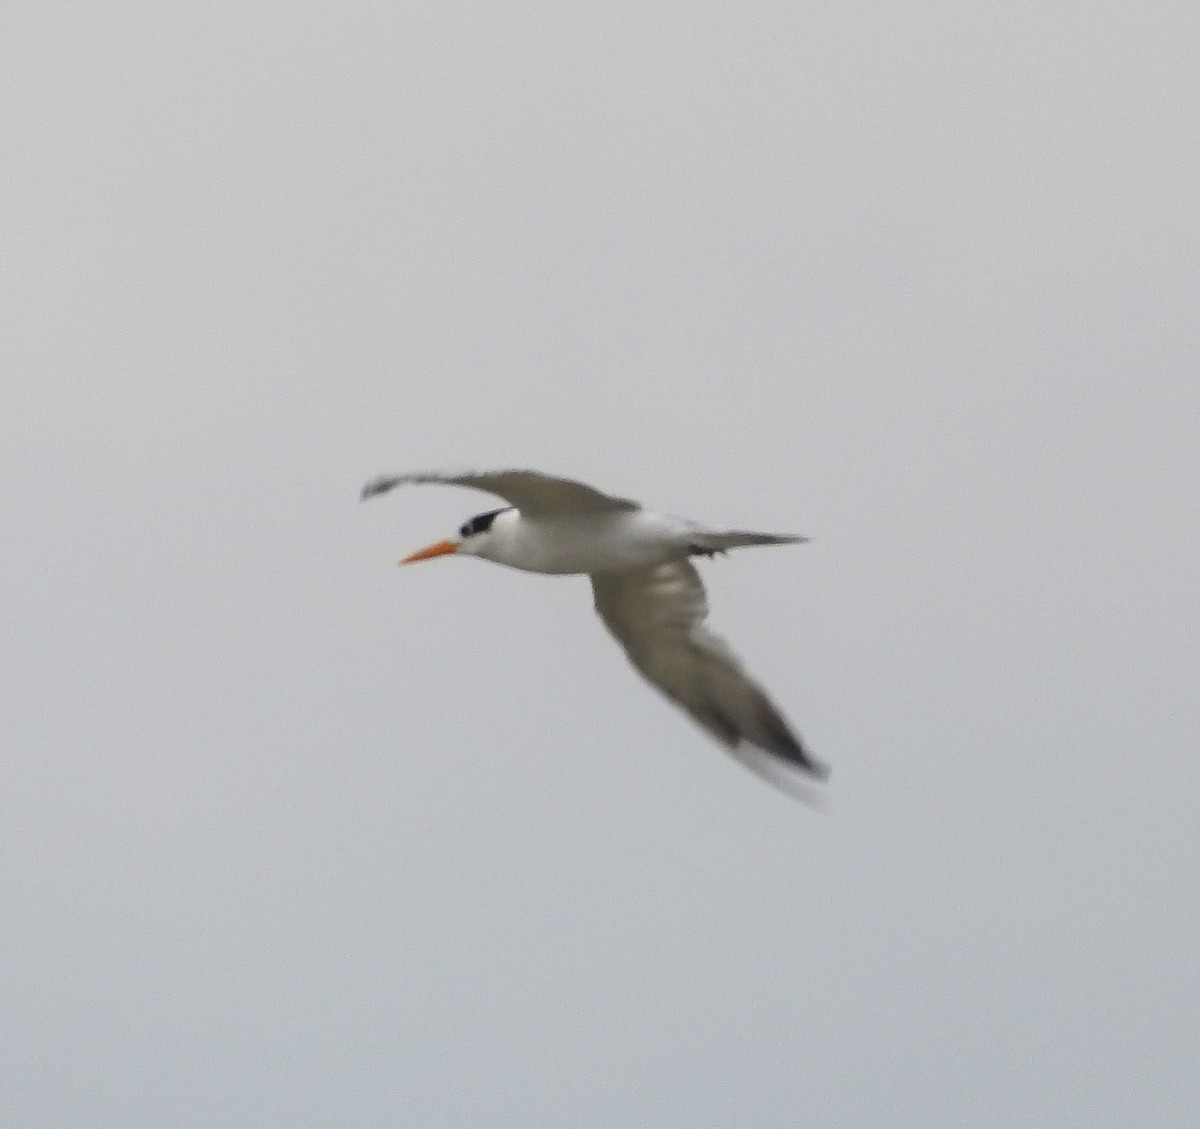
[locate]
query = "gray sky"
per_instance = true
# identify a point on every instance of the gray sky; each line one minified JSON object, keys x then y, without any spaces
{"x":291,"y":838}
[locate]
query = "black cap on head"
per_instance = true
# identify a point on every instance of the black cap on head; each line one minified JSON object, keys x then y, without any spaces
{"x":481,"y":522}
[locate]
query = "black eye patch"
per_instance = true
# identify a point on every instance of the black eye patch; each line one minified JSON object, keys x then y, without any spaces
{"x":481,"y":522}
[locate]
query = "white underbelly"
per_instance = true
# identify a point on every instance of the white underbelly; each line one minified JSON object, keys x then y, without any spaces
{"x":592,"y":544}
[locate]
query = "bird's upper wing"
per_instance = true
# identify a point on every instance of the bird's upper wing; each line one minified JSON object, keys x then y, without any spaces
{"x":657,"y":614}
{"x":533,"y":493}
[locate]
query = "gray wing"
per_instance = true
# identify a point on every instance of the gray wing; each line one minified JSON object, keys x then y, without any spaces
{"x":533,"y":493}
{"x":657,"y":615}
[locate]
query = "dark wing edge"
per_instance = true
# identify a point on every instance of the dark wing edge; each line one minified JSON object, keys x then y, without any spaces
{"x":530,"y":491}
{"x":657,"y":616}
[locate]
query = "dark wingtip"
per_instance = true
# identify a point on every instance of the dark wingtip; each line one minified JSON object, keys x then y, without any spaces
{"x":787,"y":745}
{"x":817,"y":769}
{"x":380,"y":485}
{"x":803,"y":759}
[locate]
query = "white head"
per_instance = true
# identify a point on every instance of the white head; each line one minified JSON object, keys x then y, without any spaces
{"x":476,"y":538}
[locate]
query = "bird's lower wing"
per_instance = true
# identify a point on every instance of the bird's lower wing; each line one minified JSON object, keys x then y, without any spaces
{"x":657,"y":615}
{"x":533,"y":493}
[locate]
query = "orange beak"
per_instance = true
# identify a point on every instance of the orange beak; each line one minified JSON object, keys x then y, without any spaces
{"x":438,"y":549}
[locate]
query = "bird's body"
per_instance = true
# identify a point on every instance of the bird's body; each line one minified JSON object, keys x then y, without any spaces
{"x":582,"y":543}
{"x":646,"y":591}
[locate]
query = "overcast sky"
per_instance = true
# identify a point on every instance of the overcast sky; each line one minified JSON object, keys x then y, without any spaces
{"x":292,"y":838}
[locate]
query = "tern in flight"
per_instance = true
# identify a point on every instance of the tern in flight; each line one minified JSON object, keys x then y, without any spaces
{"x":646,"y":590}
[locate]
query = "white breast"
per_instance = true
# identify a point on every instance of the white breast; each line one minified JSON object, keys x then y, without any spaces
{"x":586,"y":543}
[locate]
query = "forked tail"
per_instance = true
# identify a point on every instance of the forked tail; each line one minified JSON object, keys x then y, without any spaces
{"x":710,"y":542}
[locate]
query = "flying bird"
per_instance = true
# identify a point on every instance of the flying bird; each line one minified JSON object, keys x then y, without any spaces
{"x":646,"y":590}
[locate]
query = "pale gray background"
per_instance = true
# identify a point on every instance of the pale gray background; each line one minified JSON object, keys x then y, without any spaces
{"x":292,"y":838}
